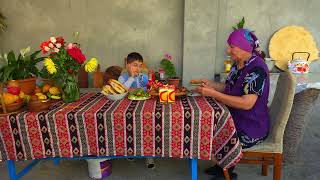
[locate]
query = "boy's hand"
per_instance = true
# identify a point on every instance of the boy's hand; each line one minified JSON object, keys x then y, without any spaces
{"x":131,"y":71}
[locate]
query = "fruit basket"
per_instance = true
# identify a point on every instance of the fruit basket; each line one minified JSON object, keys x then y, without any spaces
{"x":39,"y":105}
{"x":10,"y":108}
{"x":9,"y":103}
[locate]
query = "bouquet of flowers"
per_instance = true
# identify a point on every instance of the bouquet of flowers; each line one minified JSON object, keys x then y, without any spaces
{"x":63,"y":64}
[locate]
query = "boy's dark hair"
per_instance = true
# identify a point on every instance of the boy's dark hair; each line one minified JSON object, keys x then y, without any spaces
{"x":134,"y":56}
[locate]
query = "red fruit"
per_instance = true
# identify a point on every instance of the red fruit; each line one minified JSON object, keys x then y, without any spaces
{"x":159,"y":84}
{"x":14,"y":90}
{"x":70,"y":71}
{"x":19,"y":100}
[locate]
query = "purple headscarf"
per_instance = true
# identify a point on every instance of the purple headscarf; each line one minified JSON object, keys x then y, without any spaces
{"x":245,"y":40}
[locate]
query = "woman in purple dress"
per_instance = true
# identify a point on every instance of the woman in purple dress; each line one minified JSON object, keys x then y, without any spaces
{"x":245,"y":92}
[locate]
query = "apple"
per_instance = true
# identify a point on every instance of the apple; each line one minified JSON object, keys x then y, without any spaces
{"x":19,"y":100}
{"x":14,"y":90}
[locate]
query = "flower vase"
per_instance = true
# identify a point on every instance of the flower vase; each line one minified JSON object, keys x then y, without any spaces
{"x":70,"y":88}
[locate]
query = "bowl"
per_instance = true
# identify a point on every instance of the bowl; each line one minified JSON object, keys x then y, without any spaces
{"x":115,"y":97}
{"x":39,"y":105}
{"x":14,"y":106}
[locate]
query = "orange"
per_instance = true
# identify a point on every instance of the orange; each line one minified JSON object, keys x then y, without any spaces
{"x":46,"y":88}
{"x":54,"y":91}
{"x":13,"y":83}
{"x":37,"y":90}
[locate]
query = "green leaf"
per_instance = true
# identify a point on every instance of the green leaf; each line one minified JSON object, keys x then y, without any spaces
{"x":11,"y":57}
{"x":241,"y":23}
{"x":7,"y":74}
{"x":35,"y":54}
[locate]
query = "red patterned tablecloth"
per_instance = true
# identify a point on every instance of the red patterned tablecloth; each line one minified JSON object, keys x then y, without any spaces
{"x":192,"y":127}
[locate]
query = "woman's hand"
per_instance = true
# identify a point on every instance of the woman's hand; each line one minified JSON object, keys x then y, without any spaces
{"x":205,"y":90}
{"x":208,"y":83}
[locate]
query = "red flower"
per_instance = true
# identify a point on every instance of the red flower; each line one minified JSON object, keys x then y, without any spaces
{"x":70,"y":71}
{"x":76,"y":54}
{"x":60,"y":40}
{"x":45,"y":47}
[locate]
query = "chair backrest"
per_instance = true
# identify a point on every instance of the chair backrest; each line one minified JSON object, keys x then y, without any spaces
{"x":112,"y":72}
{"x":280,"y":108}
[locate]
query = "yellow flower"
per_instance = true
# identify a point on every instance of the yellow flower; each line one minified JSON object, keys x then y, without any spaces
{"x":91,"y":65}
{"x":50,"y":65}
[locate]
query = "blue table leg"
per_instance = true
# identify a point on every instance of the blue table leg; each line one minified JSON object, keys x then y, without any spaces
{"x":194,"y":169}
{"x":56,"y":162}
{"x":25,"y":170}
{"x":12,"y":170}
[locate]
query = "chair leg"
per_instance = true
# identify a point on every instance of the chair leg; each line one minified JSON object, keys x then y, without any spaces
{"x":226,"y":174}
{"x":264,"y":167}
{"x":277,"y":167}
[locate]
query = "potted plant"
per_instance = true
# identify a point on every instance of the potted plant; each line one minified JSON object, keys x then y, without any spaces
{"x":170,"y":70}
{"x":21,"y":69}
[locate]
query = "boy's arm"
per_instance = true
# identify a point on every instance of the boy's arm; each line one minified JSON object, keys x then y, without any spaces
{"x":127,"y":83}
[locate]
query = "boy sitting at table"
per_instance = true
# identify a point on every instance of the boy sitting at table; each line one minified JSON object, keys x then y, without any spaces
{"x":133,"y":78}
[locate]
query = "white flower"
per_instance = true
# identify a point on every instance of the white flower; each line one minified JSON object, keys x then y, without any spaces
{"x":5,"y":56}
{"x":56,"y":50}
{"x":46,"y":48}
{"x":51,"y":45}
{"x":58,"y":45}
{"x":25,"y":51}
{"x":53,"y":40}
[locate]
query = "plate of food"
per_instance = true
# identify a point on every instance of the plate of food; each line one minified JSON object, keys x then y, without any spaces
{"x":179,"y":92}
{"x":139,"y":95}
{"x":195,"y":82}
{"x":192,"y":93}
